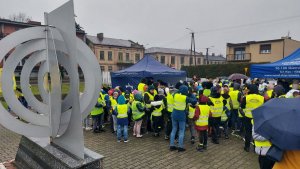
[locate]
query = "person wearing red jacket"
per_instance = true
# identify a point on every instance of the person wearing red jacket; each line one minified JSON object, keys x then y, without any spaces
{"x":202,"y":113}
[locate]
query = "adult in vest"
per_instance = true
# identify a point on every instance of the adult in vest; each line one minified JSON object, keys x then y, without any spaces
{"x":169,"y":108}
{"x":202,"y":113}
{"x":236,"y":97}
{"x":229,"y":106}
{"x":148,"y":98}
{"x":250,"y":102}
{"x":179,"y":116}
{"x":262,"y":146}
{"x":121,"y":112}
{"x":216,"y":102}
{"x":138,"y":112}
{"x":97,"y":114}
{"x":141,"y":85}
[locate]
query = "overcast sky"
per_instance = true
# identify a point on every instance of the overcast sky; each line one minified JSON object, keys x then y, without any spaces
{"x":163,"y":23}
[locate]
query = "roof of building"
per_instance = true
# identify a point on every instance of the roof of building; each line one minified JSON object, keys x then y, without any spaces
{"x":113,"y":42}
{"x":28,"y":24}
{"x":216,"y":58}
{"x":255,"y":42}
{"x":169,"y":51}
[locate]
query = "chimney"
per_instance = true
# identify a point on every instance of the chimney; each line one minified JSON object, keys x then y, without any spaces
{"x":201,"y":53}
{"x":213,"y":54}
{"x":100,"y":36}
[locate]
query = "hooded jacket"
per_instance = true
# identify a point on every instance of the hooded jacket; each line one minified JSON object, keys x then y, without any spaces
{"x":121,"y":101}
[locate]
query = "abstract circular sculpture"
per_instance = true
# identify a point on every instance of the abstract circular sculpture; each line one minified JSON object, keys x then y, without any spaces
{"x":48,"y":47}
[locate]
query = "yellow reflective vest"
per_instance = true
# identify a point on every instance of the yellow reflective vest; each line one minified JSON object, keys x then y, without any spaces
{"x":122,"y":111}
{"x":224,"y":116}
{"x":234,"y":98}
{"x":98,"y":110}
{"x":151,"y":98}
{"x":136,"y":114}
{"x":191,"y":112}
{"x":253,"y":101}
{"x":179,"y":101}
{"x":217,"y":108}
{"x":141,"y":87}
{"x":204,"y":115}
{"x":170,"y":102}
{"x":158,"y":111}
{"x":269,"y":93}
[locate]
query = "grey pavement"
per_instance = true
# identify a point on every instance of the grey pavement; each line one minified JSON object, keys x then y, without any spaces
{"x":151,"y":152}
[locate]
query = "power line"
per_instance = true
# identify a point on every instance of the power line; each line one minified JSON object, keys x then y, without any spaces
{"x":250,"y":24}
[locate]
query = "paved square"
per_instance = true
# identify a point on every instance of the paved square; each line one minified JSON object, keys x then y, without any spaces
{"x":150,"y":152}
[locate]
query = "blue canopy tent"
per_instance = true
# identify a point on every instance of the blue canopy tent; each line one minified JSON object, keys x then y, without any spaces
{"x":286,"y":68}
{"x":146,"y":67}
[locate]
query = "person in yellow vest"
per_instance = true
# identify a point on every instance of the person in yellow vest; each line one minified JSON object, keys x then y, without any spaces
{"x":250,"y":102}
{"x":179,"y":116}
{"x":235,"y":96}
{"x":114,"y":103}
{"x":141,"y":85}
{"x":156,"y":116}
{"x":97,"y":114}
{"x":201,"y":116}
{"x":169,"y":107}
{"x":121,"y":112}
{"x":269,"y":91}
{"x":229,"y":106}
{"x":224,"y":120}
{"x":148,"y":98}
{"x":262,"y":146}
{"x":138,"y":112}
{"x":216,"y":102}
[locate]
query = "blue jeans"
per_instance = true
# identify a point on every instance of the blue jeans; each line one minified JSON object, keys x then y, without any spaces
{"x":122,"y":130}
{"x":175,"y":124}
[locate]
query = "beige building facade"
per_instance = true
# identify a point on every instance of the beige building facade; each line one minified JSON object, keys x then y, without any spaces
{"x":261,"y":51}
{"x":176,"y":58}
{"x":115,"y":54}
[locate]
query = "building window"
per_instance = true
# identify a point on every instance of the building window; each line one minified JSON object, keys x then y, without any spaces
{"x":137,"y":57}
{"x":199,"y":61}
{"x":265,"y":49}
{"x":110,"y":55}
{"x":101,"y":55}
{"x":191,"y":60}
{"x":239,"y":53}
{"x":109,"y":68}
{"x":173,"y":60}
{"x":182,"y":60}
{"x":120,"y":54}
{"x":102,"y":68}
{"x":127,"y":57}
{"x":162,"y":59}
{"x":157,"y":58}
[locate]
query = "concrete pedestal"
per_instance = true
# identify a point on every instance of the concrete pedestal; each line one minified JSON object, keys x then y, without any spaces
{"x":40,"y":155}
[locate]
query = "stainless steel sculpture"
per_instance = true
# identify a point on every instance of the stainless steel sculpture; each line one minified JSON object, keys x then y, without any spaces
{"x":50,"y":46}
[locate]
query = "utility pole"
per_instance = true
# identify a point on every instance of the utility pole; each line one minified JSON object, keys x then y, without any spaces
{"x":193,"y":46}
{"x":207,"y":54}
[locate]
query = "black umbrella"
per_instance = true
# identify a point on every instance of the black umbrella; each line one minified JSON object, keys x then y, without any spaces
{"x":236,"y":76}
{"x":278,"y":120}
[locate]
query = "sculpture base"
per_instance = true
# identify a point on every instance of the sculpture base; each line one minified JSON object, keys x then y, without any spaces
{"x":38,"y":155}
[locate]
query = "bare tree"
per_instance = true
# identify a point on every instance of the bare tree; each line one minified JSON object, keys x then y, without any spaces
{"x":20,"y":17}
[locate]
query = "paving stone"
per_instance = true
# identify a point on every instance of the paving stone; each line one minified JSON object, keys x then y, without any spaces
{"x":150,"y":152}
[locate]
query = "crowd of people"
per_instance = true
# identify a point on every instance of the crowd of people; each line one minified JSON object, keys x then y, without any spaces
{"x":209,"y":108}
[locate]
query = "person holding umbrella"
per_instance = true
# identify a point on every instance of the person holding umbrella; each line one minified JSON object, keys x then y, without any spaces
{"x":250,"y":102}
{"x":281,"y":127}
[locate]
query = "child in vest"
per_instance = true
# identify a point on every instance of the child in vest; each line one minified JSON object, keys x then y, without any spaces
{"x":201,"y":116}
{"x":97,"y":114}
{"x":138,"y":112}
{"x":156,"y":116}
{"x":121,"y":112}
{"x":190,"y":121}
{"x":114,"y":103}
{"x":224,"y":121}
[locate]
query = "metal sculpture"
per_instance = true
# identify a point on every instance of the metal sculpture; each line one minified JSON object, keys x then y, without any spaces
{"x":49,"y":46}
